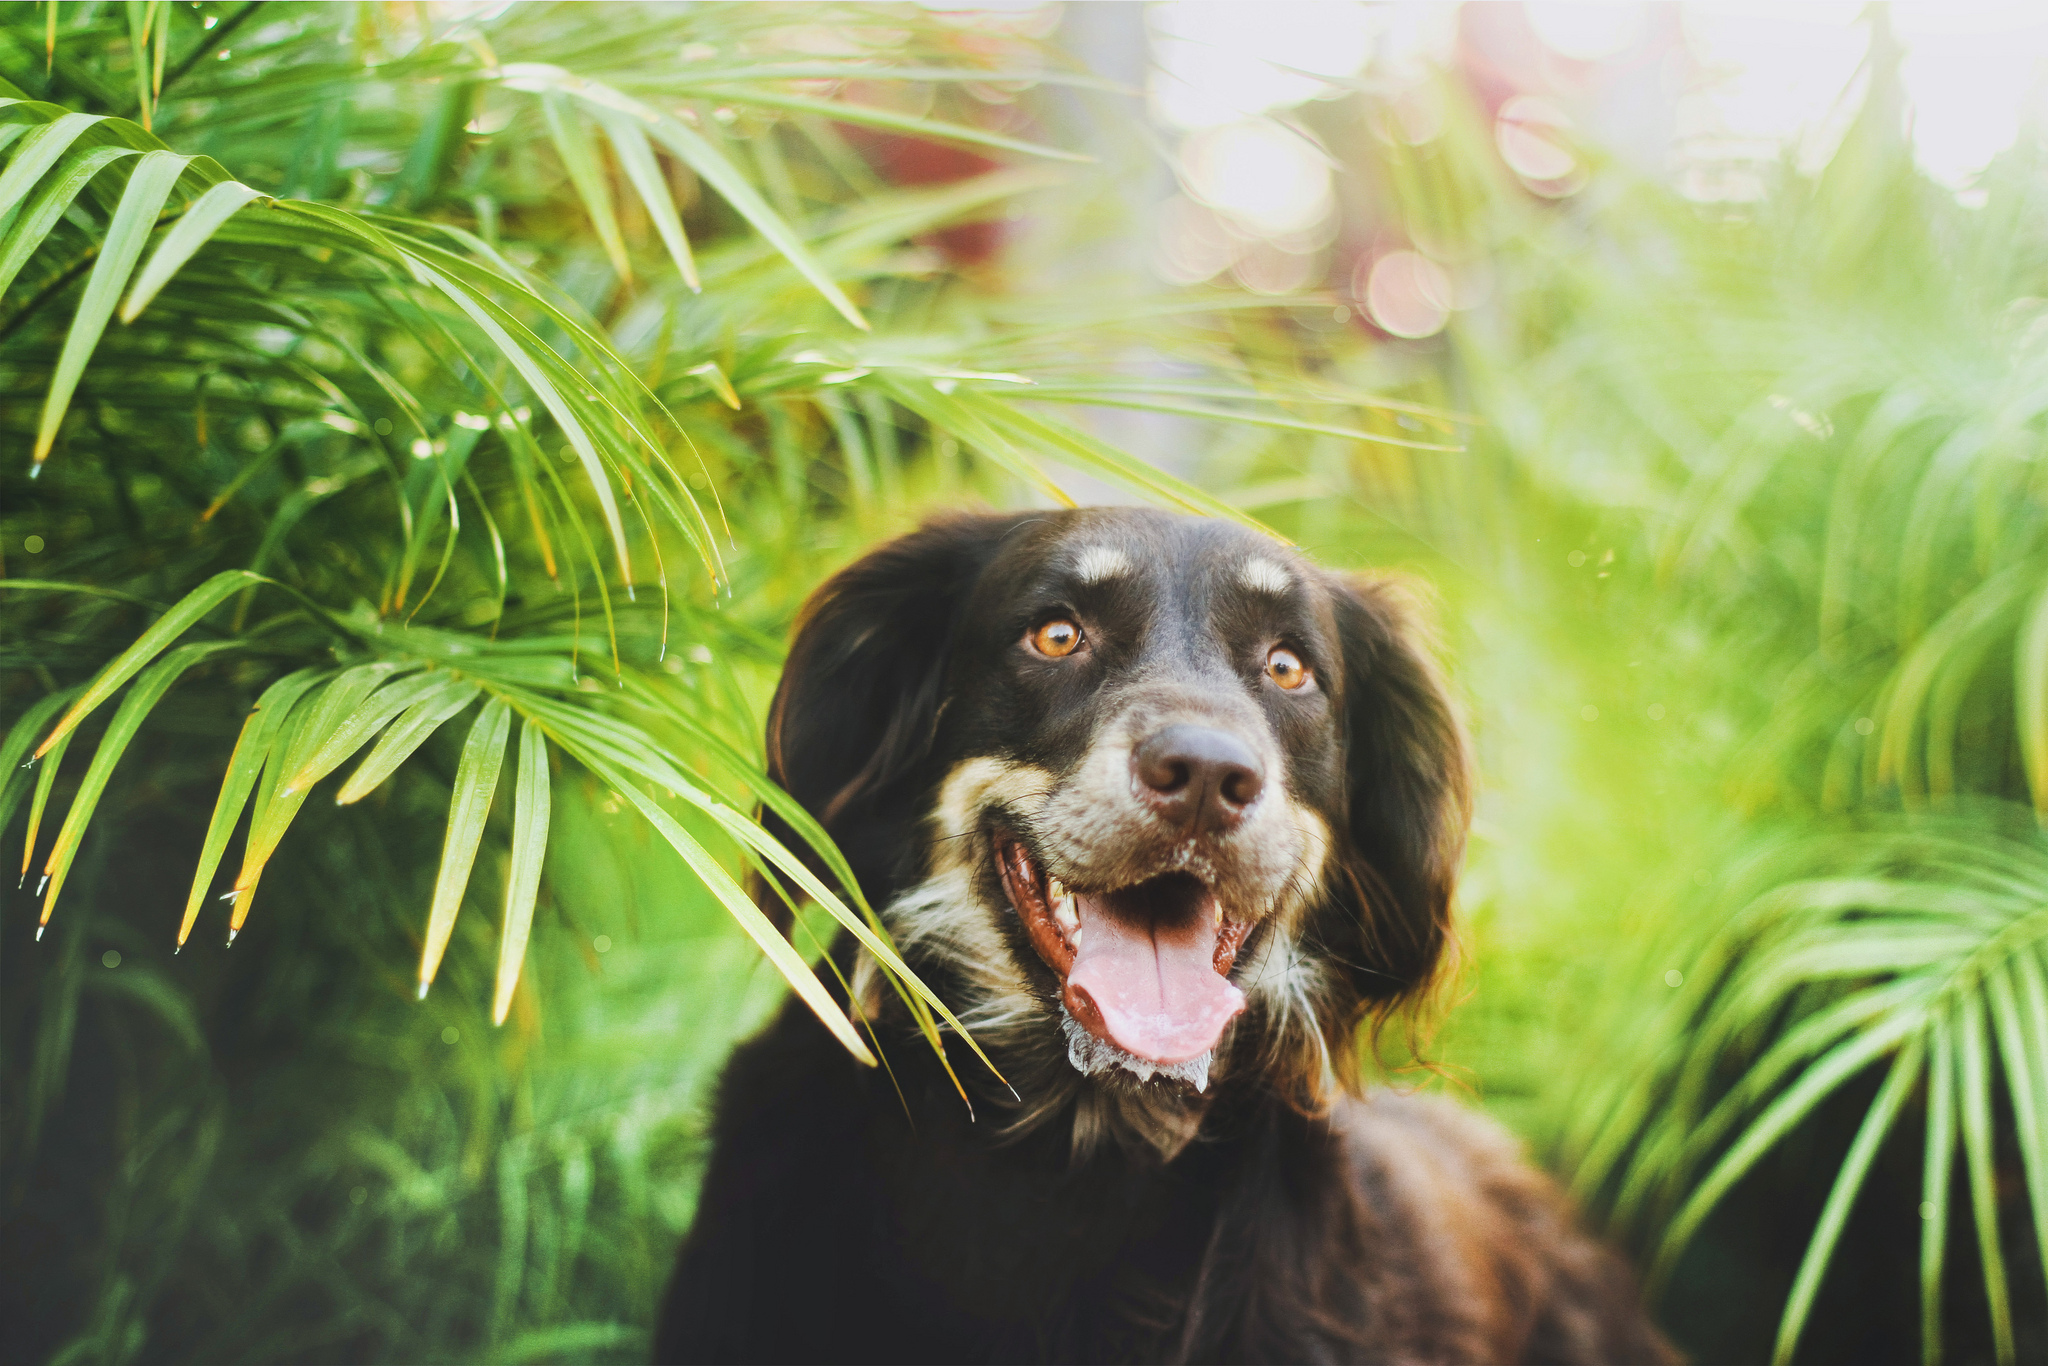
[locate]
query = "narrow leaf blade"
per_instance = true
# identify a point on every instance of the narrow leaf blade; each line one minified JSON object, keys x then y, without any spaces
{"x":579,"y":158}
{"x":185,"y":238}
{"x":149,"y":185}
{"x":397,"y":744}
{"x":369,"y":716}
{"x":1877,"y":1122}
{"x":149,"y":689}
{"x":258,"y":731}
{"x":16,"y":746}
{"x":38,"y":153}
{"x":476,"y":782}
{"x":40,"y":216}
{"x":637,"y":158}
{"x":168,"y":627}
{"x":532,"y":798}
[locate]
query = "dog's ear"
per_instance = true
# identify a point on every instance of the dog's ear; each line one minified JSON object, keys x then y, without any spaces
{"x":1408,"y":776}
{"x":854,"y":716}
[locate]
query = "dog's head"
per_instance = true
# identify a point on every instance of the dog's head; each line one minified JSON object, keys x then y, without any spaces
{"x":1152,"y":795}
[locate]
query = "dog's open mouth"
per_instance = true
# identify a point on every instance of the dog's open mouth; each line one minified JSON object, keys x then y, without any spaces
{"x":1142,"y":967}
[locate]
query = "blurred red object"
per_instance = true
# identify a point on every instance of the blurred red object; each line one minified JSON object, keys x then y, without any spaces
{"x":903,"y":160}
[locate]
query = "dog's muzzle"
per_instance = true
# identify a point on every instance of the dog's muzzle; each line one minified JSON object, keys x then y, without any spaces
{"x":1142,"y":967}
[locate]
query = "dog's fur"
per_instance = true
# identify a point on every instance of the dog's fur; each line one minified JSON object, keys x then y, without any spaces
{"x":1249,"y":1205}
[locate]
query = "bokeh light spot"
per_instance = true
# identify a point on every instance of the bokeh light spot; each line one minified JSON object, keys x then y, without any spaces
{"x":1529,"y":132}
{"x":1407,"y":294}
{"x":1270,"y":180}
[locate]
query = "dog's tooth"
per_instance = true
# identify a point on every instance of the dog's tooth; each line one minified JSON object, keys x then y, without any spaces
{"x":1064,"y":912}
{"x":1059,"y":890}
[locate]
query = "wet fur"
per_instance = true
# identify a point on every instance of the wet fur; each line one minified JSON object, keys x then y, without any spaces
{"x":1283,"y":1215}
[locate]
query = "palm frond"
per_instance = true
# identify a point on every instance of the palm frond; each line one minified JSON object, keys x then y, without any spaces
{"x":1840,"y":974}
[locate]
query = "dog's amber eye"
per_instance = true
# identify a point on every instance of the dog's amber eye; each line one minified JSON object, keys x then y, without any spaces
{"x":1286,"y":668}
{"x":1056,"y":639}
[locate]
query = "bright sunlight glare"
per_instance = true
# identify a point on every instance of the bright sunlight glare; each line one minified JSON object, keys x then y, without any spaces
{"x":1268,"y":178}
{"x":1754,"y":81}
{"x":1787,"y":75}
{"x":1216,"y":63}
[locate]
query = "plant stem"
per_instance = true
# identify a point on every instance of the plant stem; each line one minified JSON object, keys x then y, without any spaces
{"x":208,"y":41}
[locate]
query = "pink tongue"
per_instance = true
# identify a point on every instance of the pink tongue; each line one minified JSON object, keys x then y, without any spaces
{"x":1153,"y":984}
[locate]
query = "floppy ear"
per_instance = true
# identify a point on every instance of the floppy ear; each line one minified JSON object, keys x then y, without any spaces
{"x":1408,"y":776}
{"x":854,"y":715}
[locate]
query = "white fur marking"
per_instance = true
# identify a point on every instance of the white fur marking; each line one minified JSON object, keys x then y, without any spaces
{"x":1099,"y":562}
{"x":1090,"y":1055}
{"x":1261,"y":575}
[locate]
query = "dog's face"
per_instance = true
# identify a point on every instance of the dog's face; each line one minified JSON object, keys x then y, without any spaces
{"x":1152,"y":794}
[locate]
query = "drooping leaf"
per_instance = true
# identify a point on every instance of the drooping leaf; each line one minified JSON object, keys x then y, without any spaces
{"x":149,"y":185}
{"x":411,"y":731}
{"x":579,"y":158}
{"x":735,"y":900}
{"x":531,"y":799}
{"x":14,"y":779}
{"x":1793,"y":1105}
{"x":2018,"y":998}
{"x":369,"y":717}
{"x":38,"y":152}
{"x":531,"y":370}
{"x":476,"y":782}
{"x":637,"y":159}
{"x":142,"y":698}
{"x":2030,"y":697}
{"x":1877,"y":1123}
{"x":185,"y":238}
{"x":277,"y":803}
{"x":189,"y":610}
{"x":1937,"y":1169}
{"x":252,"y":747}
{"x":32,"y":227}
{"x":847,"y":112}
{"x":700,"y":156}
{"x":1974,"y":1073}
{"x":52,"y":760}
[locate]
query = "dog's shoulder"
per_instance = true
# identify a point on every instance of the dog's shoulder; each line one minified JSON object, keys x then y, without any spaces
{"x":1506,"y":1268}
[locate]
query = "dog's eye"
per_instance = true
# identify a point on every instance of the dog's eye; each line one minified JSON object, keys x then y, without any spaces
{"x":1285,"y":668}
{"x":1057,"y":638}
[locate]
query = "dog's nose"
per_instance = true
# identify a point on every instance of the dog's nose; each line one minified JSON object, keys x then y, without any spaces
{"x":1199,"y":777}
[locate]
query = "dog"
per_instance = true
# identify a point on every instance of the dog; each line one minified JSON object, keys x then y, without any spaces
{"x":1169,"y":816}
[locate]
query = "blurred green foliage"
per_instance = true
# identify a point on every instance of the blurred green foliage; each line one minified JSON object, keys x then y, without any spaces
{"x":1739,"y":561}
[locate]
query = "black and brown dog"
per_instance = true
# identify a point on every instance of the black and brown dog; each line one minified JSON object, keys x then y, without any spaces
{"x":1166,"y":813}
